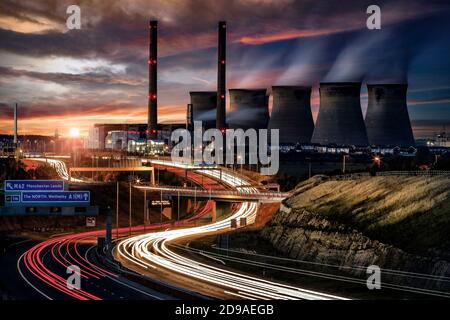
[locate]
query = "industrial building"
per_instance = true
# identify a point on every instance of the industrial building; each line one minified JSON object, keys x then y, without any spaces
{"x":387,"y":120}
{"x":131,"y":137}
{"x":97,"y":134}
{"x":93,"y":138}
{"x":248,"y":109}
{"x":340,"y":119}
{"x":116,"y":140}
{"x":339,"y":123}
{"x":291,"y":114}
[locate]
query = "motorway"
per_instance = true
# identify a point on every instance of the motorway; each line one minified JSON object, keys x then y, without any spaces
{"x":42,"y":267}
{"x":33,"y":270}
{"x":150,"y":255}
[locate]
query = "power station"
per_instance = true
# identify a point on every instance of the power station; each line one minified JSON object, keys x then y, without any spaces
{"x":248,"y":109}
{"x":340,"y":119}
{"x":339,"y":123}
{"x":387,"y":120}
{"x":291,"y":114}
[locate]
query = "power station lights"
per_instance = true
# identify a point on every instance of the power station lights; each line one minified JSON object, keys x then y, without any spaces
{"x":222,"y":96}
{"x":152,"y":96}
{"x":222,"y":61}
{"x":153,"y":62}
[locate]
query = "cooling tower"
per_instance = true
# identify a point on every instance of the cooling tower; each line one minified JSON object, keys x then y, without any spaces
{"x":152,"y":81}
{"x":248,"y":109}
{"x":221,"y":79}
{"x":340,"y":120}
{"x":387,"y":119}
{"x":204,"y":107}
{"x":291,"y":114}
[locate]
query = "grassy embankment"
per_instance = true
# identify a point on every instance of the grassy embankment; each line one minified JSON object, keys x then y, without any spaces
{"x":412,"y":213}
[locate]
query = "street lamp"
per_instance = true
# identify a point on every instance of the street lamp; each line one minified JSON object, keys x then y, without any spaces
{"x":129,"y":209}
{"x":343,"y":163}
{"x":377,"y":161}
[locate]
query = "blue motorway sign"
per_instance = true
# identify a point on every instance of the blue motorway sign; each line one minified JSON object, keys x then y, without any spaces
{"x":34,"y":185}
{"x":56,"y":197}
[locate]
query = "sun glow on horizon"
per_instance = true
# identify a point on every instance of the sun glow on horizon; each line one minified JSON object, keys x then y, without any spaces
{"x":74,"y":132}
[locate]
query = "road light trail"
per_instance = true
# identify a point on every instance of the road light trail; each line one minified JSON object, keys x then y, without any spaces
{"x":60,"y":167}
{"x":63,"y":252}
{"x":150,"y":251}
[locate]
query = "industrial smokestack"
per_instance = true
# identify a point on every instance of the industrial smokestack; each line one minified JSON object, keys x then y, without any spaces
{"x":152,"y":81}
{"x":15,"y":126}
{"x":189,"y":118}
{"x":204,"y":107}
{"x":221,"y":77}
{"x":387,"y":119}
{"x":248,"y":109}
{"x":340,"y":120}
{"x":291,"y":114}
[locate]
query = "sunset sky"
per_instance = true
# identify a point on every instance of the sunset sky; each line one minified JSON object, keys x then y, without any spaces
{"x":74,"y":78}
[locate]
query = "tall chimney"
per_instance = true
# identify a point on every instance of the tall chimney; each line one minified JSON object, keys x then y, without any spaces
{"x":152,"y":81}
{"x":15,"y":125}
{"x":221,"y":77}
{"x":190,"y":117}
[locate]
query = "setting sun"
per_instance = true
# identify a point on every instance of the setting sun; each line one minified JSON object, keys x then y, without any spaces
{"x":74,"y":132}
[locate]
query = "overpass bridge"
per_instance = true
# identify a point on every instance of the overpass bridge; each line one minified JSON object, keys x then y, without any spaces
{"x":242,"y":194}
{"x":150,"y":170}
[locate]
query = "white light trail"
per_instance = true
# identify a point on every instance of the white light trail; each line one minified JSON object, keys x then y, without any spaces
{"x":151,"y":251}
{"x":59,"y":166}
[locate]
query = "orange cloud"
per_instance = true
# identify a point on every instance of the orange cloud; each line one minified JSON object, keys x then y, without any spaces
{"x":47,"y":124}
{"x":286,"y":35}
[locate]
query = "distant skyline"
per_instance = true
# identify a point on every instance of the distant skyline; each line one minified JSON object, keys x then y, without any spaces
{"x":74,"y":78}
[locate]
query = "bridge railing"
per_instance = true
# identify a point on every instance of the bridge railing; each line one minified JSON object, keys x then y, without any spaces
{"x":414,"y":173}
{"x":256,"y":194}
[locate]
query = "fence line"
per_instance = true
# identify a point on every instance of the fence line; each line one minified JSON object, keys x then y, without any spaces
{"x":414,"y":173}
